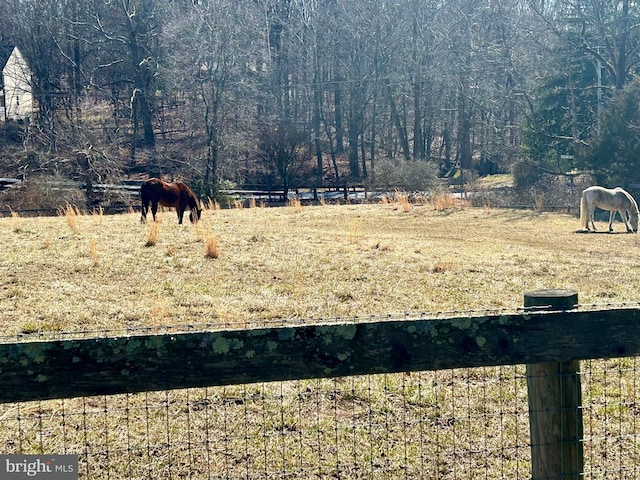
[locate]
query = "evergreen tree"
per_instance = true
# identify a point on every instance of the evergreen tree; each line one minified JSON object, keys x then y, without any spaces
{"x":613,"y":154}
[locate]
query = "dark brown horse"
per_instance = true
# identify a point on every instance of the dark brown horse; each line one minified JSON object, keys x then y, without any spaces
{"x":178,"y":195}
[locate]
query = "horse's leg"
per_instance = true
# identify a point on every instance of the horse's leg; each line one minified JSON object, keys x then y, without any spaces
{"x":180,"y":211}
{"x":612,"y":214}
{"x":144,"y":202}
{"x":154,"y":209}
{"x":590,"y":218}
{"x":629,"y":228}
{"x":625,"y":218}
{"x":143,"y":218}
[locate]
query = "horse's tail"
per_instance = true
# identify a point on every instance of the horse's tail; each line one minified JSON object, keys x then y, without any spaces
{"x":584,"y":212}
{"x":143,"y":194}
{"x":144,"y":201}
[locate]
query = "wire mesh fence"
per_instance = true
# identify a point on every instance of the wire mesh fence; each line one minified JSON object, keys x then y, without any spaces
{"x":448,"y":424}
{"x":610,"y":411}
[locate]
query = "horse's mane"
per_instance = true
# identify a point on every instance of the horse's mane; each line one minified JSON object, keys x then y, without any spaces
{"x":632,"y":201}
{"x":193,"y":200}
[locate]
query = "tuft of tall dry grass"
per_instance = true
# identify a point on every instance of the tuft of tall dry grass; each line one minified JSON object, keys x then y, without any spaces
{"x":98,"y":216}
{"x":212,"y":204}
{"x":15,"y":220}
{"x":354,"y":232}
{"x":442,"y":201}
{"x":93,"y":251}
{"x":199,"y":230}
{"x":295,"y":204}
{"x":70,"y":214}
{"x":212,"y":250}
{"x":153,"y":233}
{"x":402,"y":199}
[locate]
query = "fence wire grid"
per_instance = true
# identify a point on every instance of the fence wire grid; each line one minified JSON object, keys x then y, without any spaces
{"x":449,"y":424}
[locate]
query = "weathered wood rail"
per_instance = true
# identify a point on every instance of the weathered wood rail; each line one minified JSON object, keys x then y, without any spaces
{"x":80,"y":367}
{"x":550,"y":342}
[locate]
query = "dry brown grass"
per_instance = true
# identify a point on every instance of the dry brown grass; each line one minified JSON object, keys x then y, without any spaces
{"x":442,"y":267}
{"x":212,"y":250}
{"x":354,"y":232}
{"x":70,"y":213}
{"x":403,"y":201}
{"x":153,"y":233}
{"x":279,"y":263}
{"x":16,"y":224}
{"x":93,"y":251}
{"x":443,"y":201}
{"x":295,"y":204}
{"x":212,"y":204}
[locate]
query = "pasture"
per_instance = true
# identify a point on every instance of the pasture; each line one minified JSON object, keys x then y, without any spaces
{"x":92,"y":273}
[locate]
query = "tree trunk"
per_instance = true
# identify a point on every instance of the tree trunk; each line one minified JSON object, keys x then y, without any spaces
{"x":142,"y":83}
{"x":354,"y":166}
{"x":338,"y":115}
{"x":402,"y":131}
{"x":334,"y":161}
{"x":418,"y":137}
{"x":212,"y":120}
{"x":317,"y":106}
{"x":464,"y":132}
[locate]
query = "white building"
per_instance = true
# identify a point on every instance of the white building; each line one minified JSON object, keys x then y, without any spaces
{"x":16,"y":99}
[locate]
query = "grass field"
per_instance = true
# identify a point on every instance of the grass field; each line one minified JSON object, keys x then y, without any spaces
{"x":248,"y":265}
{"x":99,"y":272}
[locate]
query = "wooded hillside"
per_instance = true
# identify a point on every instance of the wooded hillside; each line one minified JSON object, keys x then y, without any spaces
{"x":318,"y":92}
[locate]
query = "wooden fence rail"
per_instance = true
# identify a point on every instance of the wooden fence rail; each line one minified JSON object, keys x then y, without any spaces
{"x":65,"y":368}
{"x":79,"y":367}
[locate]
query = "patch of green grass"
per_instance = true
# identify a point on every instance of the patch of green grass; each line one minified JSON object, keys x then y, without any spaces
{"x":498,"y":180}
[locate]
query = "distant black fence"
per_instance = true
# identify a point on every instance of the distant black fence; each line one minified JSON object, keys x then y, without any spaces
{"x":127,"y":194}
{"x":129,"y":190}
{"x":278,"y":194}
{"x":274,"y":192}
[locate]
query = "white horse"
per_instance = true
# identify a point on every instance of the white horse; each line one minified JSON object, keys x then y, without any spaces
{"x":614,"y":200}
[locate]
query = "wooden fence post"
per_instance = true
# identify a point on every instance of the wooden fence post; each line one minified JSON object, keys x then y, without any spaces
{"x":555,"y":399}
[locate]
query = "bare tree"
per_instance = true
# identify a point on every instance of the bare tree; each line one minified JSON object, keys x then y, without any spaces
{"x":216,"y":56}
{"x":607,"y":31}
{"x":130,"y":30}
{"x":286,"y":151}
